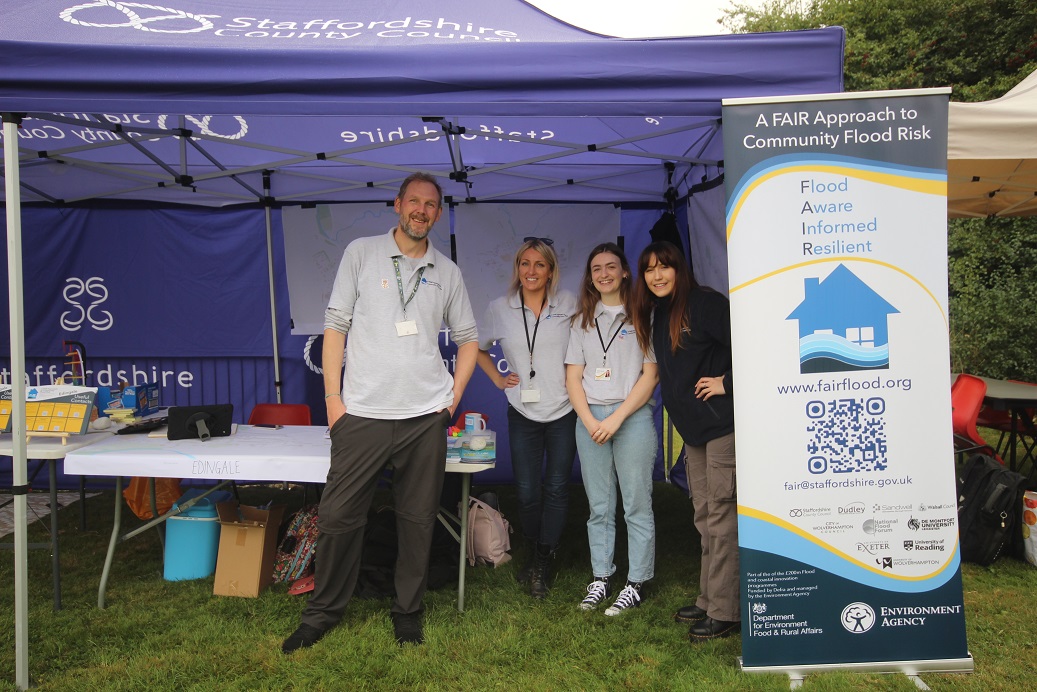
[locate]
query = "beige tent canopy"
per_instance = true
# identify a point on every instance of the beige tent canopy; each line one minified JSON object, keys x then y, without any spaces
{"x":992,"y":155}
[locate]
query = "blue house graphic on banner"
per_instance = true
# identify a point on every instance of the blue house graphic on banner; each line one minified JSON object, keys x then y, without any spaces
{"x":842,"y":324}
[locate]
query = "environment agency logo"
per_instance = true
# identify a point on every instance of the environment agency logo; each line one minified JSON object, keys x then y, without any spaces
{"x":857,"y":618}
{"x":106,"y":14}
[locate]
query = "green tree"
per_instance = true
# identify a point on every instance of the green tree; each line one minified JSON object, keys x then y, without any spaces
{"x":981,"y":49}
{"x":992,"y":270}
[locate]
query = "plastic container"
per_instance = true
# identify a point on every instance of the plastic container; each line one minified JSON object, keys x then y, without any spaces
{"x":193,"y":538}
{"x":479,"y":446}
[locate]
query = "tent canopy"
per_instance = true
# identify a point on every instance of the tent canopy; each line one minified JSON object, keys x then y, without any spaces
{"x":992,"y":155}
{"x":260,"y":100}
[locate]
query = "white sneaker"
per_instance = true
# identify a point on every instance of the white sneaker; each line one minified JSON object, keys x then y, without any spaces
{"x":629,"y":597}
{"x":597,"y":591}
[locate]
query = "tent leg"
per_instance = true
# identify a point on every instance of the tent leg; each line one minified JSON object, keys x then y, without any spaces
{"x":273,"y":294}
{"x":16,"y":312}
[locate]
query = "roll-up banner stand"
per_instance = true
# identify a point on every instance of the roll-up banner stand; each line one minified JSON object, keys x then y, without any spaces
{"x":837,"y":247}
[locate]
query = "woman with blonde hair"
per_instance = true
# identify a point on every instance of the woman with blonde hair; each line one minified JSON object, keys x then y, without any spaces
{"x":531,"y":324}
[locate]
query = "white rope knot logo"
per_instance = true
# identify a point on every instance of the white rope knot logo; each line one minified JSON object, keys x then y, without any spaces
{"x":135,"y":20}
{"x":72,"y":320}
{"x":203,"y":125}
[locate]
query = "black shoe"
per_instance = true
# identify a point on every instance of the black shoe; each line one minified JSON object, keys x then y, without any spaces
{"x":713,"y":629}
{"x":407,"y":627}
{"x":690,"y":613}
{"x":522,"y":576}
{"x":540,"y":577}
{"x":302,"y":638}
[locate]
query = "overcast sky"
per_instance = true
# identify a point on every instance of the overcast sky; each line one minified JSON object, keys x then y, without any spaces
{"x":641,"y":18}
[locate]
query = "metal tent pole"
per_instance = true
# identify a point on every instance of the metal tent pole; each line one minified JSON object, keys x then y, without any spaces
{"x":12,"y":181}
{"x":270,"y":273}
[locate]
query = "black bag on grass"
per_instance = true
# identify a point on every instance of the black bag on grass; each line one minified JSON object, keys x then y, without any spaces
{"x":989,"y":498}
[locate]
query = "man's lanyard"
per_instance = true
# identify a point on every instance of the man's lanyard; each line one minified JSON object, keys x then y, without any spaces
{"x":604,"y":348}
{"x":399,"y":283}
{"x":530,"y":343}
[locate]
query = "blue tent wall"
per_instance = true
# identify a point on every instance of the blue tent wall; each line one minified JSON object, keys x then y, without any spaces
{"x":129,"y":334}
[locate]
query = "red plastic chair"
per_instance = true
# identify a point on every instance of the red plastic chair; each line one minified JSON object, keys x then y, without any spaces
{"x":280,"y":414}
{"x":967,"y":394}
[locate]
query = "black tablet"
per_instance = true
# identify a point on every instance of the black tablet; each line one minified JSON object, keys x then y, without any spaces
{"x":200,"y":422}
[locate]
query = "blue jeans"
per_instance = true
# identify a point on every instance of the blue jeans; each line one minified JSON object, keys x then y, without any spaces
{"x":542,"y":506}
{"x":624,"y":463}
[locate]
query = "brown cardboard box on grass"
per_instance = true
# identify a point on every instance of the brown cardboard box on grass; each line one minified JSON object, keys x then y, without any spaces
{"x":248,"y":543}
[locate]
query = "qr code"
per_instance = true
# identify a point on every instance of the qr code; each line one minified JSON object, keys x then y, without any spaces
{"x":846,"y":435}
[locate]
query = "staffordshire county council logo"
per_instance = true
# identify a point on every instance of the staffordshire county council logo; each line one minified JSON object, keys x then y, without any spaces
{"x":138,"y":16}
{"x":205,"y":125}
{"x":842,"y":324}
{"x":857,"y":618}
{"x":72,"y":320}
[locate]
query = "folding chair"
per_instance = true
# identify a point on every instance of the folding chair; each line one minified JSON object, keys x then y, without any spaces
{"x":282,"y":414}
{"x":967,"y":394}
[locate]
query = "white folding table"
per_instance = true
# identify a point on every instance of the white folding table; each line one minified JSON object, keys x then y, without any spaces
{"x":292,"y":453}
{"x":53,"y":449}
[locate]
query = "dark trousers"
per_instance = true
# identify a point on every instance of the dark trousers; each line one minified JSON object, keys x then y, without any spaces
{"x":360,"y":450}
{"x":543,"y":490}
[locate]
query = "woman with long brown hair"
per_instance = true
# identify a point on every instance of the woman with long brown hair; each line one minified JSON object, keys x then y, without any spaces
{"x":689,"y":328}
{"x":610,"y":381}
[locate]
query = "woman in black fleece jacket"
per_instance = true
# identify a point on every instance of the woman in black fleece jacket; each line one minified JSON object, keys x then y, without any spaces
{"x":690,"y":329}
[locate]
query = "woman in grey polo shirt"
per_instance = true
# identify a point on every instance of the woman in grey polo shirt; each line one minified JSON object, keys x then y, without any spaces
{"x":531,"y":324}
{"x":610,"y":382}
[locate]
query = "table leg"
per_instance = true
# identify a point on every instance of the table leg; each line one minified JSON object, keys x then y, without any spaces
{"x":82,"y":503}
{"x":116,"y":526}
{"x":1013,"y":437}
{"x":54,"y":556}
{"x":466,"y":489}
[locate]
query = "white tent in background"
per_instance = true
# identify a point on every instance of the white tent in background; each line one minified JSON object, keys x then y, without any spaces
{"x":992,"y":155}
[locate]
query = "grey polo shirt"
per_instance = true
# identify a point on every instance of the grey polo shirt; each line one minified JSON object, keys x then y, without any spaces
{"x":624,"y":358}
{"x":390,"y":376}
{"x":503,"y":324}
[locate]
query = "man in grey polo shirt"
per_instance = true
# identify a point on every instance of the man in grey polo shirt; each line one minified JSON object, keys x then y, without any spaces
{"x":391,"y":295}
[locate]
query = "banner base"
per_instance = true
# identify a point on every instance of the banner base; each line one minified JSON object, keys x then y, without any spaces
{"x":910,"y":668}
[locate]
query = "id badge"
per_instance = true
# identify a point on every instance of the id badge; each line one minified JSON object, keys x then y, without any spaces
{"x":602,"y":374}
{"x":406,"y":328}
{"x":530,"y":396}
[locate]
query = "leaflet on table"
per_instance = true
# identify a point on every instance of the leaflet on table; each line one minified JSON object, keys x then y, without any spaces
{"x":55,"y":408}
{"x":476,"y":447}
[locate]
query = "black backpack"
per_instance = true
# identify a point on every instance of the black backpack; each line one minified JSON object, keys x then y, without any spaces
{"x":989,"y":509}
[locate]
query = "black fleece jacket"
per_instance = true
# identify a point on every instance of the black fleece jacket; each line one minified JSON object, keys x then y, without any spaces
{"x":704,"y":351}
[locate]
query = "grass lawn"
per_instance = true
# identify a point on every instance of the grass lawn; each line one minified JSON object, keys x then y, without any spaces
{"x":176,"y":635}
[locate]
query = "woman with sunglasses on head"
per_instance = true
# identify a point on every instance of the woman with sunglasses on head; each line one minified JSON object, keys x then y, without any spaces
{"x":689,"y":328}
{"x":531,"y":324}
{"x":610,"y":379}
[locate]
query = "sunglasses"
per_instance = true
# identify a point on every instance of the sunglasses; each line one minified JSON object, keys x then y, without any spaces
{"x":545,"y":241}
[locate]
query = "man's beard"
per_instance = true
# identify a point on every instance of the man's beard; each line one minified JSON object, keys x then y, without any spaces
{"x":411,"y":233}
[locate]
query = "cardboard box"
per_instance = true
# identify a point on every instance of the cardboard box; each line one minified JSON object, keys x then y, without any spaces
{"x":248,"y":543}
{"x":141,"y":399}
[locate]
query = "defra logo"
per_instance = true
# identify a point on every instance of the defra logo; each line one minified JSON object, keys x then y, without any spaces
{"x":97,"y":293}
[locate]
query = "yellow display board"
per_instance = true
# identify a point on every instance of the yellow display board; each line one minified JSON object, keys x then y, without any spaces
{"x":53,"y":409}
